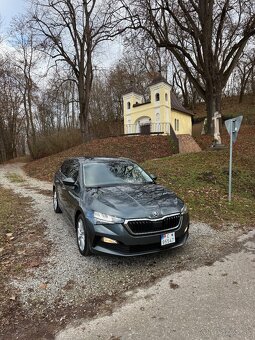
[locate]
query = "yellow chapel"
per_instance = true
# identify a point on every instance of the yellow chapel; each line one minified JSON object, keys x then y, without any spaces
{"x":161,"y":113}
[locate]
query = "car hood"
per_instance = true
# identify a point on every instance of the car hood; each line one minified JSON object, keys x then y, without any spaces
{"x":135,"y":201}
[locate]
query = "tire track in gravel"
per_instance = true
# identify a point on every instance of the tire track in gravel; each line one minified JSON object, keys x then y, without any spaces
{"x":71,"y":286}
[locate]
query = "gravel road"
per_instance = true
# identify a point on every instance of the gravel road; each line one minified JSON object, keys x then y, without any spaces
{"x":73,"y":287}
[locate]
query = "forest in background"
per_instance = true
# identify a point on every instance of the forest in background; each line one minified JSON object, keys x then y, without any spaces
{"x":54,"y":94}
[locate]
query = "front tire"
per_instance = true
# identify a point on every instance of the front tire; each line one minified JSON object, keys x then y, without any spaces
{"x":82,"y":236}
{"x":55,"y":202}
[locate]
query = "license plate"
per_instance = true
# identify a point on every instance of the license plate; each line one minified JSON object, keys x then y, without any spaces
{"x":167,"y":238}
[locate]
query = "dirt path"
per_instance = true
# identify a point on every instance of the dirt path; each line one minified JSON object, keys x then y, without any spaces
{"x":70,"y":287}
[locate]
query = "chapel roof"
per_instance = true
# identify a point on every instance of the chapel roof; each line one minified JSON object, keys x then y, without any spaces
{"x":176,"y":105}
{"x":159,"y":79}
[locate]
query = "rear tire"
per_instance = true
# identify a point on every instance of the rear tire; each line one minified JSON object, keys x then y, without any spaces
{"x":82,"y":236}
{"x":55,"y":202}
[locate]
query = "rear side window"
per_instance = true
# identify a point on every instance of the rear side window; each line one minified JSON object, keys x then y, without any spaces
{"x":70,"y":168}
{"x":64,"y":168}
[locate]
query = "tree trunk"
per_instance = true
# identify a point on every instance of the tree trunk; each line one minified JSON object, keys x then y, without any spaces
{"x":2,"y":150}
{"x":241,"y":95}
{"x":84,"y":84}
{"x":210,"y":108}
{"x":82,"y":126}
{"x":83,"y":114}
{"x":28,"y":122}
{"x":244,"y":82}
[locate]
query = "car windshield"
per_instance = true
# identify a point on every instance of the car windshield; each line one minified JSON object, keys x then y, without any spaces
{"x":98,"y":174}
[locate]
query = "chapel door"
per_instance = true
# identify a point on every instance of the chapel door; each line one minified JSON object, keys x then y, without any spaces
{"x":145,"y":129}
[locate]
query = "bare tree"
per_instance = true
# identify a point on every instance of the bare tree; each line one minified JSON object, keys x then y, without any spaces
{"x":26,"y":60}
{"x":71,"y":31}
{"x":11,"y":118}
{"x":130,"y":73}
{"x":146,"y":54}
{"x":246,"y":71}
{"x":182,"y":85}
{"x":207,"y":38}
{"x":58,"y":104}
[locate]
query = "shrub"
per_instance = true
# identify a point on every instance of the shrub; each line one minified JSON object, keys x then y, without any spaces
{"x":55,"y":142}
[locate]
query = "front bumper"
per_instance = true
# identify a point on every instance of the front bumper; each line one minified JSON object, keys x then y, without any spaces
{"x":134,"y":245}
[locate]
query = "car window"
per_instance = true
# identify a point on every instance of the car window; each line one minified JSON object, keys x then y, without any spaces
{"x":70,"y":168}
{"x":64,"y":168}
{"x":73,"y":170}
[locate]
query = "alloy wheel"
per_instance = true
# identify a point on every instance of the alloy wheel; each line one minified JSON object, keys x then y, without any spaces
{"x":81,"y":236}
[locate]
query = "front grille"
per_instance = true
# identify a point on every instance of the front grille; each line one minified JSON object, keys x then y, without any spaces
{"x":139,"y":227}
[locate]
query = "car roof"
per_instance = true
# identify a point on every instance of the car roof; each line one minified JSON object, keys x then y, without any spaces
{"x":98,"y":159}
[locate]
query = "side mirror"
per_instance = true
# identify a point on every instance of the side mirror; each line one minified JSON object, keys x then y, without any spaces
{"x":154,"y":177}
{"x":69,"y":182}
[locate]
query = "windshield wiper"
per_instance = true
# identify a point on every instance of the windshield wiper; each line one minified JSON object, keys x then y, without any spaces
{"x":118,"y":184}
{"x":103,"y":185}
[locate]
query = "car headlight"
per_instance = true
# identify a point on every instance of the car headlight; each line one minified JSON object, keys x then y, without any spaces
{"x":185,"y":209}
{"x":106,"y":219}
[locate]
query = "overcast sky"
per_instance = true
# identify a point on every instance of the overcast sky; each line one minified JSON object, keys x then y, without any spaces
{"x":109,"y":52}
{"x":9,"y":9}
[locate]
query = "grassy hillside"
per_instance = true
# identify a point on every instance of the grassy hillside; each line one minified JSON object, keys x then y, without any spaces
{"x":201,"y":179}
{"x":139,"y":148}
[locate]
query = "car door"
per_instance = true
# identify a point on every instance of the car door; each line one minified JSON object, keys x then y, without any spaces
{"x":60,"y":188}
{"x":70,"y":194}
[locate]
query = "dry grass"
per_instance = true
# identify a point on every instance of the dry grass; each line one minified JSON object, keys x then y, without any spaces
{"x":22,"y":246}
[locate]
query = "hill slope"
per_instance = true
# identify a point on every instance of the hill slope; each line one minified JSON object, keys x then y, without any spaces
{"x":232,"y":107}
{"x":139,"y":148}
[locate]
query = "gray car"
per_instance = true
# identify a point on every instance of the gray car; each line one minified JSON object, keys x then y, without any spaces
{"x":117,"y":208}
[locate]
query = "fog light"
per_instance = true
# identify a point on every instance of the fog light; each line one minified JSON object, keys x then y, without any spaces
{"x":186,"y":229}
{"x":109,"y":240}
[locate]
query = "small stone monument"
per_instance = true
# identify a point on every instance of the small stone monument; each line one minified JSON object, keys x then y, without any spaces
{"x":216,"y":125}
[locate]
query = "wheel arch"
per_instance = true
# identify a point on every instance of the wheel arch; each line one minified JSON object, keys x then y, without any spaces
{"x":77,"y":214}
